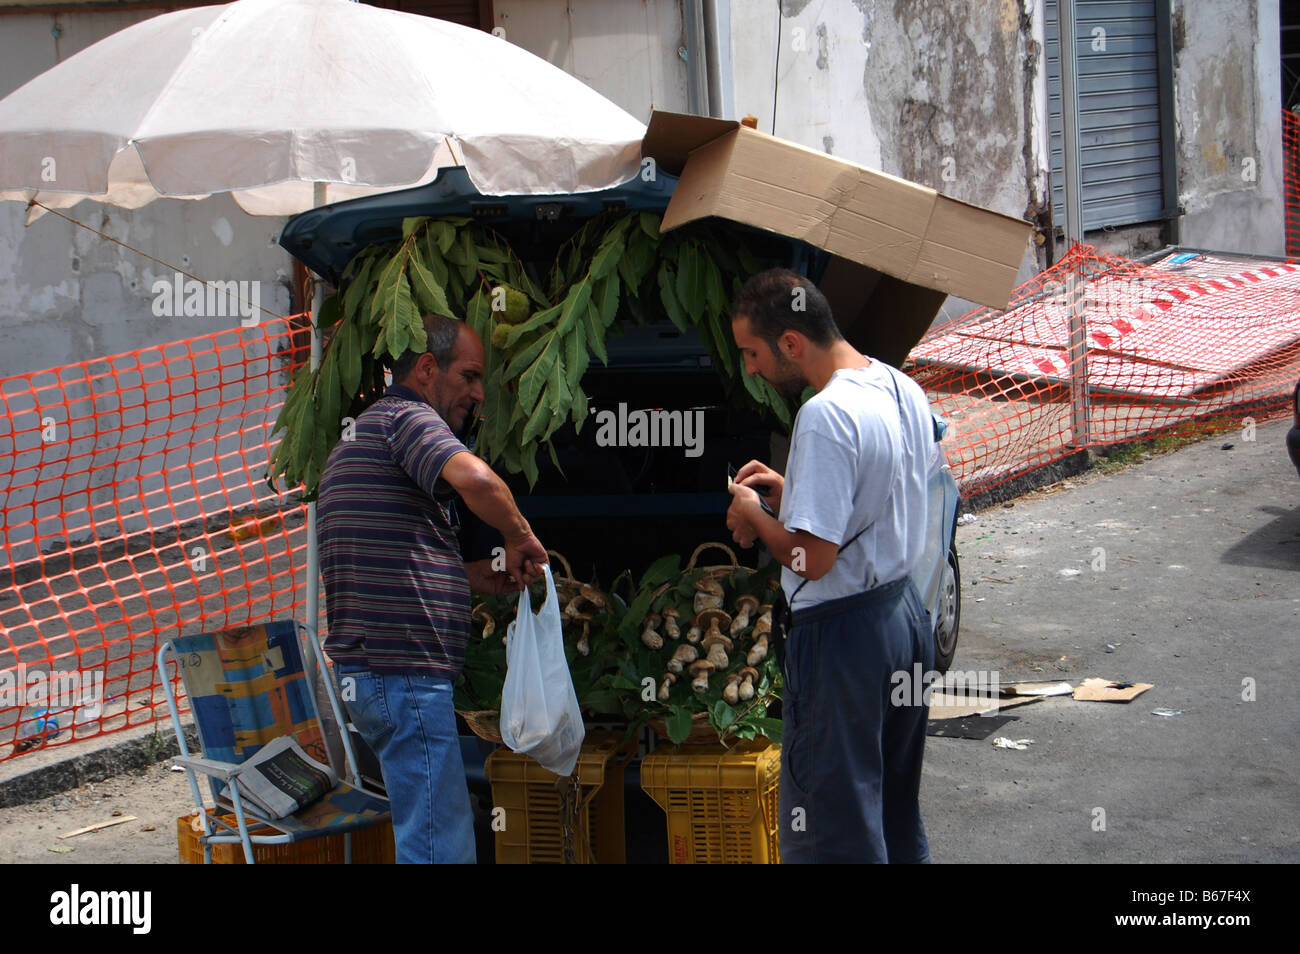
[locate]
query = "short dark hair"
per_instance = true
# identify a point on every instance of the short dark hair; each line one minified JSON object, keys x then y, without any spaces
{"x":768,"y":301}
{"x":440,"y":334}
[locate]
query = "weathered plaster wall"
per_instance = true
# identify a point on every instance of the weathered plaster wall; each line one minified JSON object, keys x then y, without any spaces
{"x":936,"y":92}
{"x":1228,"y":102}
{"x":67,"y":294}
{"x":627,"y":50}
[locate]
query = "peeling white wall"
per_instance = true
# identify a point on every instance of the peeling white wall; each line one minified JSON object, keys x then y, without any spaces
{"x":627,"y":50}
{"x":932,"y":92}
{"x":937,"y":93}
{"x":1229,"y":103}
{"x":68,"y":294}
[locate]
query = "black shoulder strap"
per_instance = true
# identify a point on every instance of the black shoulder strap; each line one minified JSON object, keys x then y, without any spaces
{"x":898,"y":398}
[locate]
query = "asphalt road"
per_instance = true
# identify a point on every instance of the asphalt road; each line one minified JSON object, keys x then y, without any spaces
{"x":1188,"y":565}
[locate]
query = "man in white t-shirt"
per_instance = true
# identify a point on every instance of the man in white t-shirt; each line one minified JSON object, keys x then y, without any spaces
{"x":851,"y":528}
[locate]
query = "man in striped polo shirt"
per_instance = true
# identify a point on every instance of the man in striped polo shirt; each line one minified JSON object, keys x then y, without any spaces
{"x":397,"y":590}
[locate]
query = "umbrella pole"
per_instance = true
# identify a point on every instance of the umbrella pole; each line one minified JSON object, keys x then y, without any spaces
{"x":313,"y":553}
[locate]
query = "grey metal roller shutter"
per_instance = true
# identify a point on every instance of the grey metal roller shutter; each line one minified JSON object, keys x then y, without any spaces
{"x":1119,"y":112}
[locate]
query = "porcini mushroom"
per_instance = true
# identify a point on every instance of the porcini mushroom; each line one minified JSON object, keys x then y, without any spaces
{"x":758,"y":652}
{"x":750,"y":676}
{"x":745,"y":607}
{"x":648,"y":635}
{"x":670,"y":623}
{"x":708,"y":595}
{"x":583,"y":646}
{"x":664,"y":689}
{"x":764,"y":622}
{"x":594,"y":596}
{"x":714,"y":644}
{"x":685,"y":655}
{"x":489,"y":624}
{"x":585,"y":594}
{"x":695,"y":633}
{"x":715,"y":648}
{"x":700,"y":675}
{"x":713,"y":621}
{"x":731,"y":691}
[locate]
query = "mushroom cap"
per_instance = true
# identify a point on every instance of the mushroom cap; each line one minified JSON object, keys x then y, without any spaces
{"x":593,"y":595}
{"x":669,"y":678}
{"x":749,"y":671}
{"x":702,"y":665}
{"x":714,"y":640}
{"x":747,"y":600}
{"x":733,"y":678}
{"x":712,"y":587}
{"x":653,"y":619}
{"x":707,"y":617}
{"x":672,"y":611}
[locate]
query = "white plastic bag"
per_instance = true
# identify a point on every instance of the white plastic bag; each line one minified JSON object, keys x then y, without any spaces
{"x":539,"y":709}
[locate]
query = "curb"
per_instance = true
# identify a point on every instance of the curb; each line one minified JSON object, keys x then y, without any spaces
{"x":1072,"y":465}
{"x":71,"y":773}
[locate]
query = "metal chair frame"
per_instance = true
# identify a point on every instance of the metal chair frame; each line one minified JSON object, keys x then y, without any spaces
{"x":227,"y":771}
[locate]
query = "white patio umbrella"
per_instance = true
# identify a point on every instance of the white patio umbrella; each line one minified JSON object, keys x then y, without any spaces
{"x":264,"y":98}
{"x":291,"y":104}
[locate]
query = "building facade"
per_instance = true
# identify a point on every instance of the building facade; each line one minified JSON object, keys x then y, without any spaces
{"x":1179,"y":103}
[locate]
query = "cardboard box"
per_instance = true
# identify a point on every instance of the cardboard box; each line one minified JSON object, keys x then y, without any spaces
{"x":898,"y":248}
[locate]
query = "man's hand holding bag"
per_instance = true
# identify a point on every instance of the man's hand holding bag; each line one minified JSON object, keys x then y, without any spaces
{"x":539,"y":709}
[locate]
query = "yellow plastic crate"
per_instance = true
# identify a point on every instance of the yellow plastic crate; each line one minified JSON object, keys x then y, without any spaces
{"x":722,"y":805}
{"x":370,"y":846}
{"x":533,"y":828}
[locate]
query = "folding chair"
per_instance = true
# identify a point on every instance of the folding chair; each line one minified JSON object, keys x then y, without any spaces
{"x":246,"y":687}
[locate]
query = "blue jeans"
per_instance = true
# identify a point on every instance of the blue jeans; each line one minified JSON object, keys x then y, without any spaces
{"x":410,"y":724}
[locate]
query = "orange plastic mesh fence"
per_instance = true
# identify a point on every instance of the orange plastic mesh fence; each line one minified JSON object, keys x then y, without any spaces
{"x":1196,"y":342}
{"x":1291,"y":180}
{"x":132,"y":509}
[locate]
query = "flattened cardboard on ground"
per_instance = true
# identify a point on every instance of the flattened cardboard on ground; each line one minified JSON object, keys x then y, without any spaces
{"x":944,"y":706}
{"x":1036,"y":688}
{"x":971,"y":727}
{"x":911,"y":245}
{"x":1106,"y":690}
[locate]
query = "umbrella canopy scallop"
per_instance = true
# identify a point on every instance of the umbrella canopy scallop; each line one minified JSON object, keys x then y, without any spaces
{"x":264,"y":98}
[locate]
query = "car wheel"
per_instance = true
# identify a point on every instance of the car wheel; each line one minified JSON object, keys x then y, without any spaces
{"x":949,"y":612}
